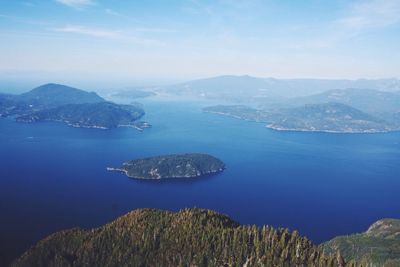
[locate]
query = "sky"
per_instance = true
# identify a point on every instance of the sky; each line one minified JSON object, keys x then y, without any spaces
{"x":133,"y":42}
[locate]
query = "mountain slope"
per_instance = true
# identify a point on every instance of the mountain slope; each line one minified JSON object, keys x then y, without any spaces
{"x":329,"y":117}
{"x":53,"y":95}
{"x":90,"y":115}
{"x":247,"y":88}
{"x":75,"y":107}
{"x":367,"y":100}
{"x":44,"y":97}
{"x":326,"y":117}
{"x":191,"y":237}
{"x":379,"y":245}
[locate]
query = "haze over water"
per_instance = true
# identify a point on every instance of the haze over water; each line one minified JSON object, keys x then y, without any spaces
{"x":54,"y":177}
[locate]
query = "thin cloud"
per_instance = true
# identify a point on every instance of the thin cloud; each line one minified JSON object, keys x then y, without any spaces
{"x":117,"y":14}
{"x":29,"y":4}
{"x":143,"y":29}
{"x":356,"y":19}
{"x":114,"y":13}
{"x":94,"y":32}
{"x":23,"y":20}
{"x":106,"y":34}
{"x":366,"y":15}
{"x":76,"y":3}
{"x":155,"y":30}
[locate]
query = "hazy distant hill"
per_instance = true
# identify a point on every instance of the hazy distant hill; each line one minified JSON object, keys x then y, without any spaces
{"x":191,"y":237}
{"x":44,"y":97}
{"x":239,"y":88}
{"x":227,"y":86}
{"x":368,"y":100}
{"x":53,"y":95}
{"x":326,"y":117}
{"x":378,"y":246}
{"x":132,"y":94}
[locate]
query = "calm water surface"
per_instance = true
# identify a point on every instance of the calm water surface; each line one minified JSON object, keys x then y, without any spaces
{"x":54,"y":177}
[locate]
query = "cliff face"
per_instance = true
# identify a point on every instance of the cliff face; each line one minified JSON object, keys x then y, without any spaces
{"x":190,"y":237}
{"x":378,"y":246}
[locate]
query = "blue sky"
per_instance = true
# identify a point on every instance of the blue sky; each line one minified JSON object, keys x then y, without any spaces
{"x":133,"y":41}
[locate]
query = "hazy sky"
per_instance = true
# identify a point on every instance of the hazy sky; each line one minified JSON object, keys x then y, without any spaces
{"x":179,"y":40}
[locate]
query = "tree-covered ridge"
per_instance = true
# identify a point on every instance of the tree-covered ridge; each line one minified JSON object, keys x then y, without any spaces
{"x":104,"y":115}
{"x":172,"y":166}
{"x":44,"y":97}
{"x":53,"y":95}
{"x":190,"y":237}
{"x":378,"y":246}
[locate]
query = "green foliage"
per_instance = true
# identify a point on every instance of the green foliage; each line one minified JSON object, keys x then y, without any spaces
{"x":102,"y":115}
{"x":380,"y":245}
{"x":55,"y":102}
{"x":191,"y":237}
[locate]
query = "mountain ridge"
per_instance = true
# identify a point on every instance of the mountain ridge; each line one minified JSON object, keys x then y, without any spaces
{"x":249,"y":88}
{"x":325,"y":117}
{"x":378,"y":246}
{"x":75,"y":107}
{"x":151,"y":237}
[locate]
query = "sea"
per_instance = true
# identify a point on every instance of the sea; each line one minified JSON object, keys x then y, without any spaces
{"x":54,"y":177}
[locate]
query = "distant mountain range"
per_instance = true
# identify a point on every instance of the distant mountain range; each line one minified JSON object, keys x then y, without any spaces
{"x":78,"y":108}
{"x":248,"y":88}
{"x":313,"y":107}
{"x":199,"y":237}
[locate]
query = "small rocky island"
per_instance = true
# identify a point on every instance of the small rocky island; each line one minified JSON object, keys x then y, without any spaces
{"x":172,"y":166}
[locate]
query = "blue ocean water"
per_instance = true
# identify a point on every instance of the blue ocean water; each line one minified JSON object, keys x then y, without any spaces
{"x":54,"y":177}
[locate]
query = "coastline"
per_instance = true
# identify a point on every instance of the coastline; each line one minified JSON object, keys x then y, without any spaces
{"x":165,"y":177}
{"x":282,"y":129}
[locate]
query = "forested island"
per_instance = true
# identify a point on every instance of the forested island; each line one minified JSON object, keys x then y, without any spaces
{"x":75,"y":107}
{"x":172,"y":166}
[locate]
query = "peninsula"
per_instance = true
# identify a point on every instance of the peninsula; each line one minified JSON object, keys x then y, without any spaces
{"x":326,"y":117}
